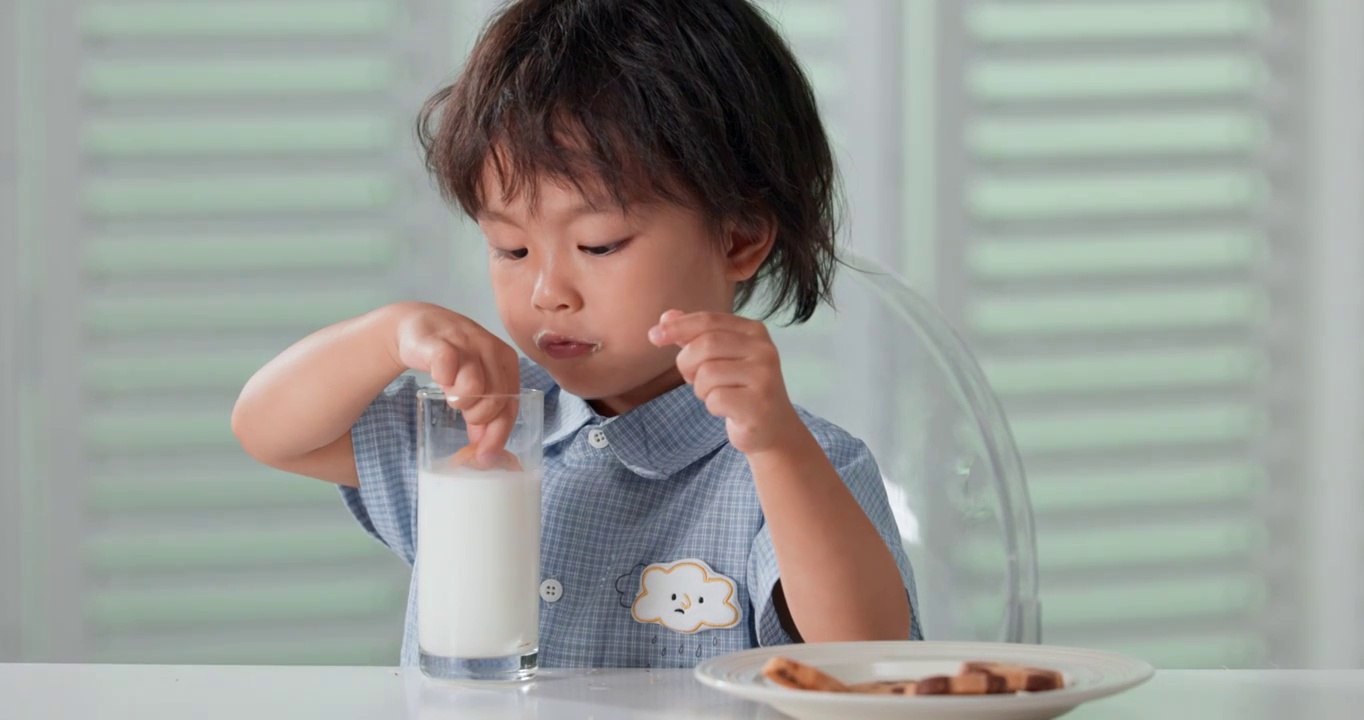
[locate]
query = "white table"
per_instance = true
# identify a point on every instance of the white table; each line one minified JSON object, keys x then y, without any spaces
{"x":152,"y":692}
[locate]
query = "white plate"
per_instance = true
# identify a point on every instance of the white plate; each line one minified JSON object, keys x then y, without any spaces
{"x":1089,"y":674}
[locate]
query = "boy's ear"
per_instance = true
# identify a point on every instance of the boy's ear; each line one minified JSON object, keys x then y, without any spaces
{"x":747,"y":245}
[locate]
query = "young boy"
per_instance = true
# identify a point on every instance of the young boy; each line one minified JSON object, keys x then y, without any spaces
{"x":640,"y":169}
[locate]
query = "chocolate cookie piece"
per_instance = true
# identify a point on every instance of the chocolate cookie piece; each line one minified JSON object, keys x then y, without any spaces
{"x":933,"y":685}
{"x":970,"y":683}
{"x":1019,"y":678}
{"x":884,"y":687}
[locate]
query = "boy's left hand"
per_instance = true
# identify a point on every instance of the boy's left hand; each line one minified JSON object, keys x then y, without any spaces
{"x":733,"y":366}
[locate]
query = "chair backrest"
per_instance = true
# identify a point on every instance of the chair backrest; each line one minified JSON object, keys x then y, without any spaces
{"x":886,"y":365}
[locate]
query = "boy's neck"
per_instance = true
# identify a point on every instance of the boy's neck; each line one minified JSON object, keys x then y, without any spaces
{"x":623,"y":403}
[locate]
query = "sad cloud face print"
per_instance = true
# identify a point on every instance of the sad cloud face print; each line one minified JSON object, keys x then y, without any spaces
{"x":685,"y":596}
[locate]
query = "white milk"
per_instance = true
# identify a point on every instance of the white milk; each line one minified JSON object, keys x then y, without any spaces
{"x":478,"y":563}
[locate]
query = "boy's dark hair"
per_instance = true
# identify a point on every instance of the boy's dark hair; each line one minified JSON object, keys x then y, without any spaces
{"x":698,"y":102}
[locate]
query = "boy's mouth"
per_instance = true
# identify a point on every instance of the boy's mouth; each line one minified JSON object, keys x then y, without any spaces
{"x":561,"y":347}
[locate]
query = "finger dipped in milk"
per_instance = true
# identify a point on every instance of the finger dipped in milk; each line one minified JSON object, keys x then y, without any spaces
{"x":470,"y":457}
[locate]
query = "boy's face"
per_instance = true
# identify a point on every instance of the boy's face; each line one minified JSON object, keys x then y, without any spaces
{"x":578,"y":289}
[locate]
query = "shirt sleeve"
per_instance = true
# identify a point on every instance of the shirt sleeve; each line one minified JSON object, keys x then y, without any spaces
{"x":385,"y":443}
{"x":863,"y":478}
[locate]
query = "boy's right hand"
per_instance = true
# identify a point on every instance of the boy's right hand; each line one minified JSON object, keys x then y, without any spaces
{"x":469,"y":364}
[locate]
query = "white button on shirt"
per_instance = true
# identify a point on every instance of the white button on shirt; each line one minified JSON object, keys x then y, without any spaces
{"x":596,"y":437}
{"x":551,"y":590}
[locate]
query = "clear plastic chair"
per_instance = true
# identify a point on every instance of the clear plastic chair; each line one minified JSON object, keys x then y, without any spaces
{"x":886,"y":365}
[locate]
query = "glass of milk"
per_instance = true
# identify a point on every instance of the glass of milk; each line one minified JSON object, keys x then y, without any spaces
{"x":478,"y":544}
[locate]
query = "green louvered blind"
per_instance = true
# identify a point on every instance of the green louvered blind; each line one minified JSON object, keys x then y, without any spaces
{"x":1114,"y":180}
{"x":247,"y":175}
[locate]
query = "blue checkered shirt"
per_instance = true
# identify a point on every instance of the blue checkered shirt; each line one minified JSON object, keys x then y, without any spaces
{"x":665,"y":486}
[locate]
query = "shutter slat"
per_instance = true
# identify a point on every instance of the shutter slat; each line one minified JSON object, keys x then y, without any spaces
{"x":1116,"y":429}
{"x":1028,"y":197}
{"x":252,"y":19}
{"x":1088,"y":21}
{"x":1186,"y":75}
{"x":282,"y":192}
{"x":1086,"y":491}
{"x":275,"y":599}
{"x":1089,"y":548}
{"x":344,"y":74}
{"x":171,"y":372}
{"x":294,"y":643}
{"x":117,"y":138}
{"x":1124,"y":255}
{"x":158,"y":488}
{"x":206,"y":313}
{"x":190,"y":430}
{"x":1096,"y":374}
{"x":154,"y":550}
{"x":114,"y":258}
{"x":1150,"y":602}
{"x":1118,"y":312}
{"x":1117,"y":136}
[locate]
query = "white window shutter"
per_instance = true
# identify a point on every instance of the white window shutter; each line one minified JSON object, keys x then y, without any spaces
{"x":1117,"y":205}
{"x":219,"y":181}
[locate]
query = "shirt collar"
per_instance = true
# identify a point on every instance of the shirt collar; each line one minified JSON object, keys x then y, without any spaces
{"x":661,"y":437}
{"x":565,"y":414}
{"x":655,"y":440}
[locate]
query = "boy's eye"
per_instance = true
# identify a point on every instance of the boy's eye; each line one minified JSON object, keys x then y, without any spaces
{"x":600,"y":250}
{"x":516,"y":254}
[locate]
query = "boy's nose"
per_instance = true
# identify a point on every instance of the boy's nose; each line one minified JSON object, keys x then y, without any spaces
{"x":555,"y":292}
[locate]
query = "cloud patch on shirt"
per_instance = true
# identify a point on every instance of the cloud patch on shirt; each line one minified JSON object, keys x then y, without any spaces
{"x":685,"y":596}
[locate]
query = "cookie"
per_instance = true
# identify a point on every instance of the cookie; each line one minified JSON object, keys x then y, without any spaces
{"x":968,"y":683}
{"x":1018,"y":678}
{"x":977,"y":677}
{"x":798,"y":676}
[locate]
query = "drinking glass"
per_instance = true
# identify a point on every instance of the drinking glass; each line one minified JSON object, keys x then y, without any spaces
{"x":478,"y":542}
